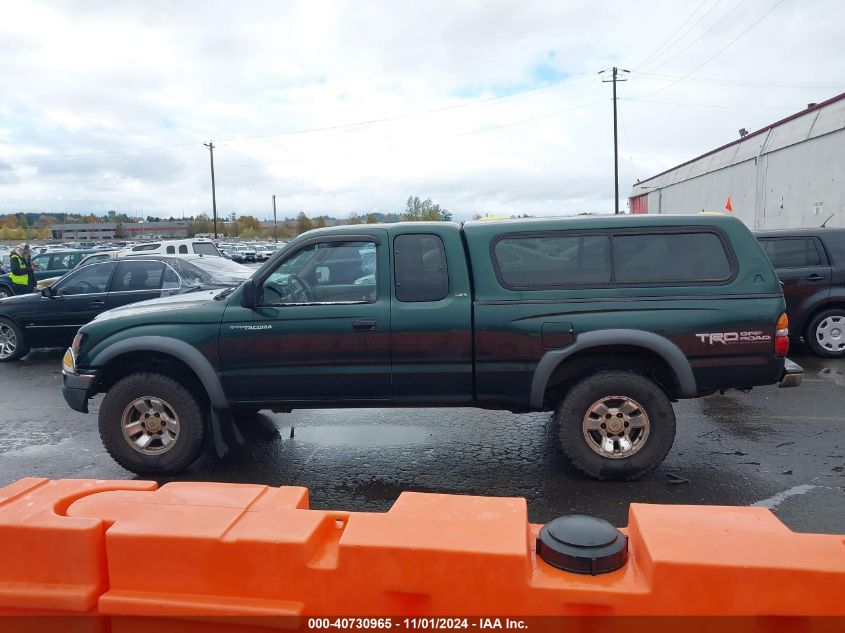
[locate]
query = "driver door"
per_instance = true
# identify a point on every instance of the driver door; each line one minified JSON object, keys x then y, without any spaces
{"x":77,"y":298}
{"x":320,"y":331}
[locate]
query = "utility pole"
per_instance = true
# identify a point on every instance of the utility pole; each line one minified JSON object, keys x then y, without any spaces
{"x":210,"y":146}
{"x":275,"y":237}
{"x":615,"y":78}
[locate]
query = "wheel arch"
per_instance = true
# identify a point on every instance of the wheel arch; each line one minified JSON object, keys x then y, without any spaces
{"x":653,"y":346}
{"x":832,"y":304}
{"x":162,"y":348}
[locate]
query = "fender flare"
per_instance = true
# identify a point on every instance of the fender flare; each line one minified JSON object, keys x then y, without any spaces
{"x":815,"y":302}
{"x":660,"y":345}
{"x":178,"y":349}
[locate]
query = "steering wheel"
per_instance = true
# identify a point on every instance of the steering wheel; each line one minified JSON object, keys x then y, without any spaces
{"x":298,"y":290}
{"x":295,"y":290}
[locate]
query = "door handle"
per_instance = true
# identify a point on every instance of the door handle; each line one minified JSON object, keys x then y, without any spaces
{"x":364,"y":325}
{"x":814,"y":277}
{"x":97,"y":304}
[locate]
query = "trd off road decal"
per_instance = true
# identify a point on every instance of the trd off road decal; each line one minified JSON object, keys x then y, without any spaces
{"x":728,"y":338}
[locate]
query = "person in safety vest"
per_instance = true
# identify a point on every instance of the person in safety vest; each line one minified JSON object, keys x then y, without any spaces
{"x":20,"y":270}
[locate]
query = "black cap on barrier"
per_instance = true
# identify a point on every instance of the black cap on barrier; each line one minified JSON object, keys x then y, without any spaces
{"x":582,"y":545}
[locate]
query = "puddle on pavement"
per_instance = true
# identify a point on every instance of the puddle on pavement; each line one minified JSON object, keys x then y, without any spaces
{"x":363,"y":435}
{"x":825,"y":368}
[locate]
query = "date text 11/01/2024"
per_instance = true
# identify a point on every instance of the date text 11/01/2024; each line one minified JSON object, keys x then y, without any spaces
{"x":415,"y":623}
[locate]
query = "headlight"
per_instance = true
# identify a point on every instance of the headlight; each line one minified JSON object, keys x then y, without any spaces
{"x":69,"y":362}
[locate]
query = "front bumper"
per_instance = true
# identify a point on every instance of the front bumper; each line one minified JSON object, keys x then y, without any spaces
{"x":793,"y":373}
{"x":76,"y":385}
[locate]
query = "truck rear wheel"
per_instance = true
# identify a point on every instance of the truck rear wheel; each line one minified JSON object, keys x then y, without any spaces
{"x":616,"y":425}
{"x":151,"y":424}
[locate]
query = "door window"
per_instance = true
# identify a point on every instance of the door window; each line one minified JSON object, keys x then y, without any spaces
{"x":183,"y":249}
{"x":325,"y":272}
{"x":171,"y":250}
{"x":134,"y":276}
{"x":421,"y":272}
{"x":792,"y":252}
{"x":91,"y":279}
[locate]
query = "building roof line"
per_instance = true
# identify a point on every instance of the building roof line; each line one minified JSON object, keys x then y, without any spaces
{"x":796,"y":115}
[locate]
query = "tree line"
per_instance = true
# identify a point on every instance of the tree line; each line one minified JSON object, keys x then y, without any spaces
{"x":38,"y":226}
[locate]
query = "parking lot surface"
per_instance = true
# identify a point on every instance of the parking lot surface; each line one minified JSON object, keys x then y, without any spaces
{"x":784,"y":449}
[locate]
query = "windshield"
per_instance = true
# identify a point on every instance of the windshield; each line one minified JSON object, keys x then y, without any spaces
{"x":210,"y":271}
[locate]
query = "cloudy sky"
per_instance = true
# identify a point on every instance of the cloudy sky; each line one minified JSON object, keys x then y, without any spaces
{"x":483,"y":105}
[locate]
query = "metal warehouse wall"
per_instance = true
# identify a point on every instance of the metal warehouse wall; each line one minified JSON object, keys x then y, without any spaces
{"x":789,"y":175}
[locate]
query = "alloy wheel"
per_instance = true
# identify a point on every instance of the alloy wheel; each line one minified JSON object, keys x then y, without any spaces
{"x":150,"y":425}
{"x":616,"y":427}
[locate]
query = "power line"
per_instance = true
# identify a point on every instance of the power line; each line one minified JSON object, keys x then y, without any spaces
{"x":682,"y":35}
{"x":513,"y":96}
{"x":710,"y":105}
{"x":673,"y":35}
{"x":532,"y":119}
{"x":700,"y":35}
{"x":628,"y":145}
{"x":716,"y":54}
{"x":388,"y":119}
{"x":747,"y":83}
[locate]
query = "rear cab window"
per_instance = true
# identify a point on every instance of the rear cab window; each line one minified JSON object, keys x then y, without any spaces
{"x":622,"y":257}
{"x":421,"y":272}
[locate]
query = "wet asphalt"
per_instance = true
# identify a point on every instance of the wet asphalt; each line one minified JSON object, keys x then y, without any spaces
{"x":782,"y":448}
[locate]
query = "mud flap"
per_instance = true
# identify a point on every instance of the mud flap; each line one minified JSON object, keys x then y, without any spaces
{"x":225,"y":431}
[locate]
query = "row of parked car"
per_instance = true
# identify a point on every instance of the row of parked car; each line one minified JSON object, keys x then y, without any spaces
{"x":248,"y":252}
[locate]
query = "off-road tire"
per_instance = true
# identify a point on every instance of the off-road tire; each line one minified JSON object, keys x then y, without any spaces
{"x":574,"y":407}
{"x":810,"y":334}
{"x":21,"y":347}
{"x":193,"y":428}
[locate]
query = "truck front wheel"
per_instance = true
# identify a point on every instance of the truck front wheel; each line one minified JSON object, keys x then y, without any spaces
{"x":151,"y":424}
{"x":616,"y":425}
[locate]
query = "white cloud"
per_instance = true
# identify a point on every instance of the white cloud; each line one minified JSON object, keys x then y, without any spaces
{"x":138,"y":87}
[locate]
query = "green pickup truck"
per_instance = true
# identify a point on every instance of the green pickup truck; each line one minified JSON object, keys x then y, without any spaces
{"x":603,"y":320}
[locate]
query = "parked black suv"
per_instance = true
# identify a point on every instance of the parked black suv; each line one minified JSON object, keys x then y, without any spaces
{"x":811,"y":266}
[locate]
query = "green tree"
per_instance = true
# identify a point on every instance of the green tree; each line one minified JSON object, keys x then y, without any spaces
{"x":417,"y":210}
{"x":201,"y":224}
{"x":249,"y":222}
{"x":372,"y":219}
{"x":303,"y":223}
{"x":120,"y":231}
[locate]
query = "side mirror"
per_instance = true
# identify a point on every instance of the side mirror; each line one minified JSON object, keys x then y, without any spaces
{"x":48,"y":292}
{"x":248,"y":300}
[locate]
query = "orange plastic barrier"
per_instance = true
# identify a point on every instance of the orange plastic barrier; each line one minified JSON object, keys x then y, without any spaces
{"x":214,"y":550}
